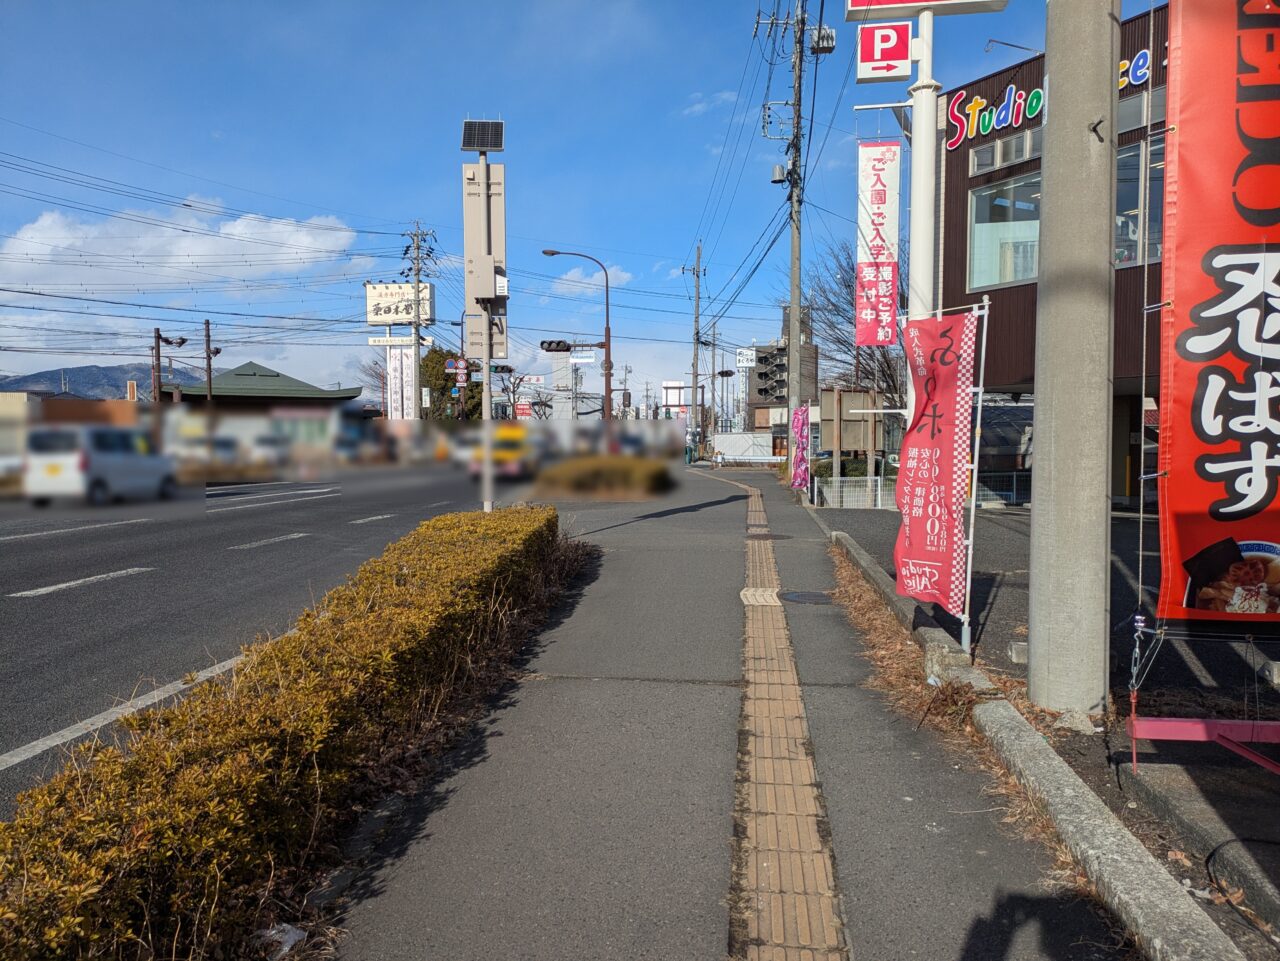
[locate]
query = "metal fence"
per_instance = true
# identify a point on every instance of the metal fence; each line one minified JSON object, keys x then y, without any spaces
{"x":1011,"y":488}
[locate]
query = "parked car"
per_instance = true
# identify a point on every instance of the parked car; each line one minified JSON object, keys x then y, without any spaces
{"x":97,"y":464}
{"x":462,"y":446}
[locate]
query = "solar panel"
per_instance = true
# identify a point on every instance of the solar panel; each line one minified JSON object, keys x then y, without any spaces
{"x":482,"y":135}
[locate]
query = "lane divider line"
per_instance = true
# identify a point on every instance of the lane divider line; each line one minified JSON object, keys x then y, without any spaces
{"x":269,"y":540}
{"x":98,"y":721}
{"x":369,"y":520}
{"x":301,"y":492}
{"x":245,"y":507}
{"x":96,"y":578}
{"x":72,"y":530}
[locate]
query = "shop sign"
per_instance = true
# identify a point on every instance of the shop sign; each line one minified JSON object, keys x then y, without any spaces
{"x":1219,"y":467}
{"x":934,"y":463}
{"x":860,"y":10}
{"x":884,"y":51}
{"x":875,"y":298}
{"x":975,"y":116}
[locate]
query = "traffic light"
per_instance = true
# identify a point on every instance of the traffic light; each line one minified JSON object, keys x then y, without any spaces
{"x":556,"y":346}
{"x":501,"y":369}
{"x":626,"y":398}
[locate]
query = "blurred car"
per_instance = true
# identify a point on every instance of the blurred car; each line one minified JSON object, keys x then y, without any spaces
{"x":514,"y":456}
{"x":97,"y":464}
{"x":199,"y":450}
{"x":462,"y":446}
{"x":271,"y":449}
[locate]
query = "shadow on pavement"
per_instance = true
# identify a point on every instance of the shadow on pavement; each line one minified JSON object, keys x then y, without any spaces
{"x":992,"y":938}
{"x":669,"y":512}
{"x":467,"y":749}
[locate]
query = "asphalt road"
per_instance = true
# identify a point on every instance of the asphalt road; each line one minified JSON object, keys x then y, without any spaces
{"x":97,"y":607}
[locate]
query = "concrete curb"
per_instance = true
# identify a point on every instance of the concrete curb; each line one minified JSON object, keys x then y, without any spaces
{"x":1161,"y":917}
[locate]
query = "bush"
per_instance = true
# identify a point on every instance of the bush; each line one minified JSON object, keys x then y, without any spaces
{"x":169,"y":845}
{"x":605,"y":474}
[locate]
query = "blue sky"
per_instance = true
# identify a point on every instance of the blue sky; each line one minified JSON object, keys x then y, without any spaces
{"x":297,"y":127}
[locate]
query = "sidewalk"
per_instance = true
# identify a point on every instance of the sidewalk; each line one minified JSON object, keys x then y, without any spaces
{"x":593,"y":816}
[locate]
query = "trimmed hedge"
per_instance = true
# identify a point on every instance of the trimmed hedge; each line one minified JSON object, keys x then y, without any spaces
{"x":603,"y":473}
{"x":168,"y":847}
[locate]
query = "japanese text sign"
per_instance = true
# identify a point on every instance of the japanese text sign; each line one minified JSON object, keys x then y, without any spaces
{"x":933,"y":469}
{"x":387,"y":304}
{"x":875,"y":300}
{"x":1220,"y":334}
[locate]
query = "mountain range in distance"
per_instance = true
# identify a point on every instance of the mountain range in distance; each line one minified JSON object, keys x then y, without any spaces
{"x":96,"y":382}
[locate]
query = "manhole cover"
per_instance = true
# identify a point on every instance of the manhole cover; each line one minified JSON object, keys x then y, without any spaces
{"x":768,"y":537}
{"x":804,"y":597}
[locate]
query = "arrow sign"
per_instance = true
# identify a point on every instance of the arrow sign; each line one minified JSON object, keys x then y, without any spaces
{"x":884,"y":51}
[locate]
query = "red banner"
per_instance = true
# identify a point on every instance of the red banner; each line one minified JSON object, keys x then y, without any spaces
{"x":875,"y":297}
{"x":1220,"y":342}
{"x":933,"y":472}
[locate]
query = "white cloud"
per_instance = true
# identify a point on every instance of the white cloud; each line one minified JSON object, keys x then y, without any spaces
{"x":700,"y":104}
{"x":578,"y":283}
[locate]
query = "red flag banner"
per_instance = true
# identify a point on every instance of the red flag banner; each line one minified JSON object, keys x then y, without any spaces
{"x":933,"y":471}
{"x":1220,"y":334}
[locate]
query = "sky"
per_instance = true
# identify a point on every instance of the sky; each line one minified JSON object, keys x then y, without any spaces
{"x":254,"y":163}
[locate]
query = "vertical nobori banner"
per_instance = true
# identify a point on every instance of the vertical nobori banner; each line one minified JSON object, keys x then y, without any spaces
{"x":934,"y":467}
{"x":800,"y":447}
{"x":875,"y":299}
{"x":1220,"y":333}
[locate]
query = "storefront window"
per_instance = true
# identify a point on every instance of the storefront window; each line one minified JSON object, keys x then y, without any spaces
{"x":1004,"y":233}
{"x":1139,"y":206}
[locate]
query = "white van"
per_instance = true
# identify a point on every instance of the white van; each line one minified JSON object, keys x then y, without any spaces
{"x":97,"y":464}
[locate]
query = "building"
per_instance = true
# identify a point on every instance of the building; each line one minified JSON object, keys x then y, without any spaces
{"x":990,"y":131}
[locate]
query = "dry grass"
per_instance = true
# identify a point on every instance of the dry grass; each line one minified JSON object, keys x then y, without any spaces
{"x":948,"y":709}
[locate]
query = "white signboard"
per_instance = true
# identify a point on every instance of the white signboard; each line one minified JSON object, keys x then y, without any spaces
{"x":386,"y":304}
{"x":400,"y":383}
{"x":582,"y":355}
{"x":858,"y":10}
{"x":745,"y":357}
{"x":391,"y":341}
{"x":533,"y":380}
{"x":884,"y":51}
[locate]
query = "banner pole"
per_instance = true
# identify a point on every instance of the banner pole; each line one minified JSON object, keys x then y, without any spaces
{"x":966,"y":636}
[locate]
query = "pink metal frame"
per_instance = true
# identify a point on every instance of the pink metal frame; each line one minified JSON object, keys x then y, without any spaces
{"x":1229,"y":734}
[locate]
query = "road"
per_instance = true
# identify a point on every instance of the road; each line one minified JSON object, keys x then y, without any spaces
{"x":98,"y":607}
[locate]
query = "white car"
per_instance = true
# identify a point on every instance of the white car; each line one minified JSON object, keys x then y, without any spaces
{"x":97,"y":464}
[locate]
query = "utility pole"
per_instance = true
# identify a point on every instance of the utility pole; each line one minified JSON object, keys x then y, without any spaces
{"x":921,"y":278}
{"x":1070,"y":623}
{"x":416,"y":380}
{"x":155,"y":368}
{"x":796,"y":180}
{"x":210,"y":352}
{"x":694,"y":423}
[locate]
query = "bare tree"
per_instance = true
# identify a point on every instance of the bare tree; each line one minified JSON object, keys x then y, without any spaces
{"x":831,"y":284}
{"x":509,"y":385}
{"x":373,"y":377}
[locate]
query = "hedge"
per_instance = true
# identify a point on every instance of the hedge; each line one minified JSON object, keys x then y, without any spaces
{"x":168,"y":845}
{"x":603,"y":473}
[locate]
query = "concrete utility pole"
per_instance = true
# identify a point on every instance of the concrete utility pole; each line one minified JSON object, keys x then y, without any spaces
{"x":1070,"y":621}
{"x":416,"y":380}
{"x":796,"y":180}
{"x":694,"y":423}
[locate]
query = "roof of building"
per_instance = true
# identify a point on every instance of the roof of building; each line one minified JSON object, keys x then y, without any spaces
{"x":255,"y":380}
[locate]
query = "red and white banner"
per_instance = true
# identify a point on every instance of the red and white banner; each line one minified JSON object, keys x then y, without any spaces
{"x":1220,"y":341}
{"x":875,"y":299}
{"x":933,"y":471}
{"x":524,"y":409}
{"x":800,"y":448}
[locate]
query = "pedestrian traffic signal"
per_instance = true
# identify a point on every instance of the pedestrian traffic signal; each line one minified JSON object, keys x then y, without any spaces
{"x":556,"y":346}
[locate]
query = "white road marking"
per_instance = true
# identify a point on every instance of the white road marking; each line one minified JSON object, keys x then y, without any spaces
{"x":269,"y":540}
{"x":302,"y":491}
{"x":18,"y":755}
{"x":438,"y":504}
{"x":240,"y":487}
{"x":82,"y":581}
{"x":245,"y":507}
{"x":375,"y":517}
{"x":72,"y":530}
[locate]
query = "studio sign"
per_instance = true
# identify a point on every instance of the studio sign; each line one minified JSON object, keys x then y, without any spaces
{"x":978,"y":117}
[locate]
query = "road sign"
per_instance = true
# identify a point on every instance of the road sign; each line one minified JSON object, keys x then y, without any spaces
{"x":863,"y":10}
{"x":582,"y":355}
{"x":391,"y":341}
{"x":460,"y":377}
{"x":450,"y":364}
{"x":454,"y":391}
{"x":884,"y":51}
{"x":477,"y":377}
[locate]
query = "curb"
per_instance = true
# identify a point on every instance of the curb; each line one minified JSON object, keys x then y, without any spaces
{"x":1157,"y":912}
{"x":1209,"y":837}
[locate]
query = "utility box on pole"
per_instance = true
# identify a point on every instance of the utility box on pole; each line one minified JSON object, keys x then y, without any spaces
{"x":484,"y":200}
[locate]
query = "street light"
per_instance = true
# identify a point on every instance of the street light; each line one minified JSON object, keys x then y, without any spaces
{"x":608,"y":354}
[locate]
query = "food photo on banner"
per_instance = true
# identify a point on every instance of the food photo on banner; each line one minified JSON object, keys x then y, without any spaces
{"x":1219,"y":460}
{"x":931,"y":553}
